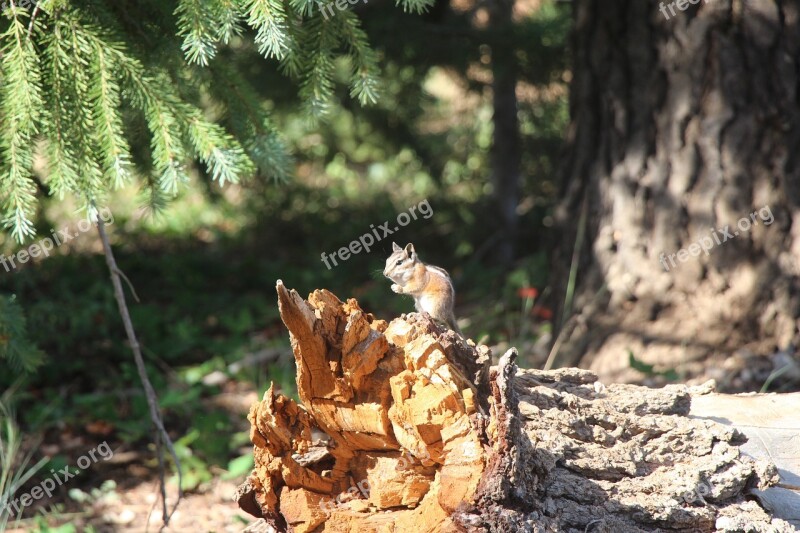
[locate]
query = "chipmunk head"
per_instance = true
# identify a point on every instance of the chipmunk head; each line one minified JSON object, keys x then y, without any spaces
{"x":400,"y":265}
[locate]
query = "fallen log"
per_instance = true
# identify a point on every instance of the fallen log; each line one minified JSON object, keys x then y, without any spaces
{"x":402,"y":427}
{"x":771,"y":423}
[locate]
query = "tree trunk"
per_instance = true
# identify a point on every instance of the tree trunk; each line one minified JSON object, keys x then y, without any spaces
{"x":683,"y":147}
{"x":404,"y":430}
{"x":506,"y":154}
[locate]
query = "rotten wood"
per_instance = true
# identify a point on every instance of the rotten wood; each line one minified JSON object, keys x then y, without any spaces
{"x":402,"y":427}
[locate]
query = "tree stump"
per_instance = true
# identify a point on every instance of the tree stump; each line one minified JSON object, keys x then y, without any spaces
{"x":403,"y":427}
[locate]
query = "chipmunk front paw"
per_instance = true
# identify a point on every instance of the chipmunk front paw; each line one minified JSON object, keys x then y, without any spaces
{"x":397,"y":288}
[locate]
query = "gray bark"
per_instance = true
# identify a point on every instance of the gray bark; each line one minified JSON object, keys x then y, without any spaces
{"x":680,"y":128}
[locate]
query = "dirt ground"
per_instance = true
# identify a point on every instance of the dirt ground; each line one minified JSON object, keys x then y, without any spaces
{"x":133,"y":510}
{"x":132,"y":504}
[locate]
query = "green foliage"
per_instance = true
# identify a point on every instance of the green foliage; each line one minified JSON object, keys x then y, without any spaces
{"x":304,"y":42}
{"x":196,"y":471}
{"x":22,"y":104}
{"x":650,"y":370}
{"x":15,"y":464}
{"x":41,"y":526}
{"x":105,"y":490}
{"x":102,"y":82}
{"x":239,"y":467}
{"x":16,"y":350}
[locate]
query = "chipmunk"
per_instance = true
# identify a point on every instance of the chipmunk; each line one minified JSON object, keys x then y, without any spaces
{"x":430,"y":286}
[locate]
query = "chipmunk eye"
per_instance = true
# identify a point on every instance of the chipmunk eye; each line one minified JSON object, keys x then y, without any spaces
{"x":399,"y":261}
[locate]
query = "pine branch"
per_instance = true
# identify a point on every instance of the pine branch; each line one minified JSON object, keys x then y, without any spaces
{"x":415,"y":6}
{"x":15,"y":347}
{"x":74,"y":143}
{"x":169,"y":118}
{"x":304,"y":7}
{"x":21,"y":105}
{"x":243,"y":112}
{"x":292,"y":62}
{"x":148,"y":95}
{"x":364,"y":77}
{"x":316,"y":87}
{"x":105,"y":107}
{"x":198,"y":27}
{"x":152,"y":199}
{"x":229,"y":20}
{"x":268,"y":18}
{"x":220,"y":152}
{"x":174,"y":124}
{"x":203,"y":24}
{"x":82,"y":126}
{"x":91,"y":76}
{"x":63,"y":176}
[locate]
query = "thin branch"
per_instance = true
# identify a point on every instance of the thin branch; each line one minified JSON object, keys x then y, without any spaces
{"x":162,"y":485}
{"x":16,"y":33}
{"x":152,"y":399}
{"x":130,"y":285}
{"x":33,"y":16}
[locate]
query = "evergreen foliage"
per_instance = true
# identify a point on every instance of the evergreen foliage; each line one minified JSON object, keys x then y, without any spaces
{"x":15,"y":348}
{"x":107,"y":94}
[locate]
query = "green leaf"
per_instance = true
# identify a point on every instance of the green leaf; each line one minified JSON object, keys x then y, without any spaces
{"x":649,"y":370}
{"x":241,"y":466}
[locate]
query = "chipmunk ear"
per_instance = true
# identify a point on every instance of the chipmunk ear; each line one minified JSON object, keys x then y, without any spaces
{"x":395,"y":248}
{"x":410,"y":250}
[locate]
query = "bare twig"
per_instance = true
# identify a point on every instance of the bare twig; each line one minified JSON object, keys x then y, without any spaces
{"x":33,"y":16}
{"x":130,"y":285}
{"x":162,"y":485}
{"x":161,"y":435}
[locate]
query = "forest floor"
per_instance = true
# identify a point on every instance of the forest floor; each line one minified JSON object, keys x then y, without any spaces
{"x":128,"y":499}
{"x":133,"y":510}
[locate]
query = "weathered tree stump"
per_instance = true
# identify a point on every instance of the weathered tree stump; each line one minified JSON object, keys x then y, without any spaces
{"x":403,"y":428}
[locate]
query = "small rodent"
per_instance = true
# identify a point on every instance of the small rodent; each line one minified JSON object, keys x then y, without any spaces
{"x":430,"y":286}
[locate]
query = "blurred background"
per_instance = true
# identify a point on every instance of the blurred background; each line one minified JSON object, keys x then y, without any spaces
{"x":537,"y":131}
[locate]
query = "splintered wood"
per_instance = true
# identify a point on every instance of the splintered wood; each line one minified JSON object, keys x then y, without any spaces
{"x":402,"y":447}
{"x":402,"y":428}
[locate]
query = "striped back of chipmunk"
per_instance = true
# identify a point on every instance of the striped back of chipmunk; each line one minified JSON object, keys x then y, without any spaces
{"x":440,"y":270}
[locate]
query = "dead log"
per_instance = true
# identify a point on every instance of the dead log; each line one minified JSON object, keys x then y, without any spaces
{"x":402,"y":427}
{"x":771,"y":423}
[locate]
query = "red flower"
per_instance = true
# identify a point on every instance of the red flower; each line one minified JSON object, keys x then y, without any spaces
{"x":528,"y":292}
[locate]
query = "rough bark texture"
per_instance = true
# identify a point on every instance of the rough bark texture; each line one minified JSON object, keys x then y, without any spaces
{"x":392,"y":436}
{"x":682,"y":127}
{"x":771,"y":423}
